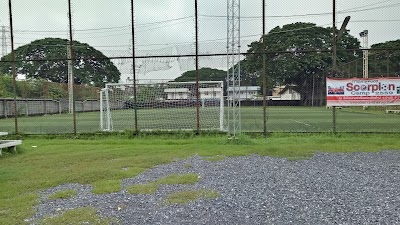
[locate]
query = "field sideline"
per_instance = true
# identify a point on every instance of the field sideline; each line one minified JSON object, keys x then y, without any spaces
{"x":279,"y":119}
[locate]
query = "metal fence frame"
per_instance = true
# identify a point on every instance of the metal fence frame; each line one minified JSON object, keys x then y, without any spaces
{"x":61,"y":108}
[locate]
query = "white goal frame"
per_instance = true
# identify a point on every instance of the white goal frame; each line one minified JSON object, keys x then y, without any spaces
{"x":170,"y":96}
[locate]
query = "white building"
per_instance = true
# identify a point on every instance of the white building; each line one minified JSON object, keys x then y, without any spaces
{"x":187,"y":93}
{"x":211,"y":93}
{"x":245,"y":92}
{"x":285,"y":92}
{"x":177,"y":93}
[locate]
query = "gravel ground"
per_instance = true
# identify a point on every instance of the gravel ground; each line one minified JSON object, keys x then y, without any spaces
{"x":355,"y":188}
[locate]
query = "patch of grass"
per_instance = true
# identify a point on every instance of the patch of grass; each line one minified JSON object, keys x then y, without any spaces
{"x":188,"y":165}
{"x":152,"y":187}
{"x":240,"y":139}
{"x":215,"y":158}
{"x":106,"y":186}
{"x":63,"y":194}
{"x":14,"y":209}
{"x":143,"y":189}
{"x":79,"y":216}
{"x":184,"y":197}
{"x":190,"y":178}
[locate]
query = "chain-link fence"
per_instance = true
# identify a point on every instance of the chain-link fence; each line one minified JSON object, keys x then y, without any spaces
{"x":272,"y":59}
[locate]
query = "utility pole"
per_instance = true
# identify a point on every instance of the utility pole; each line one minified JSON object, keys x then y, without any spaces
{"x":70,"y":82}
{"x":3,"y":41}
{"x":14,"y":70}
{"x":72,"y":59}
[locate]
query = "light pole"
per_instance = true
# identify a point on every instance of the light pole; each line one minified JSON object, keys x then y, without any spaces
{"x":364,"y":36}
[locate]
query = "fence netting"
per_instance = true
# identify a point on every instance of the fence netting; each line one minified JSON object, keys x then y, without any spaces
{"x":88,"y":66}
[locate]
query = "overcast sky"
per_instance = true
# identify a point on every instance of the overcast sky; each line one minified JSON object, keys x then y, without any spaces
{"x":160,"y":24}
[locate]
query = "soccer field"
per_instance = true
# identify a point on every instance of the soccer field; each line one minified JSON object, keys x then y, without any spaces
{"x":320,"y":119}
{"x":279,"y":119}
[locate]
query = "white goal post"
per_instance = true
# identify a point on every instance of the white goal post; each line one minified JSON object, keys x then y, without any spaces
{"x":164,"y":106}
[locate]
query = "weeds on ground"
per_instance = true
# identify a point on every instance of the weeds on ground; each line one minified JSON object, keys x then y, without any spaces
{"x":152,"y":187}
{"x":106,"y":186}
{"x":214,"y":158}
{"x":63,"y":194}
{"x":79,"y":216}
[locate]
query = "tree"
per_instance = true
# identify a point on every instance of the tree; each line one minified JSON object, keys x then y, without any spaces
{"x":205,"y":74}
{"x":91,"y":67}
{"x":305,"y":69}
{"x":385,"y":62}
{"x":6,"y":86}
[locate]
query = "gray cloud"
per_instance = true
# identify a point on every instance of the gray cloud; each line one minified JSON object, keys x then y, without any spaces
{"x":167,"y":26}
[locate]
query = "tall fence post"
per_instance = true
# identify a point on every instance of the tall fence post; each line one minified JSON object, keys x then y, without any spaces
{"x":197,"y":68}
{"x":264,"y":74}
{"x":13,"y":67}
{"x":334,"y":56}
{"x":134,"y":68}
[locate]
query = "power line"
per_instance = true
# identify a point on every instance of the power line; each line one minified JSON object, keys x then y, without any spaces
{"x":123,"y":28}
{"x":64,"y":31}
{"x":356,"y":9}
{"x":106,"y":28}
{"x":224,"y":39}
{"x":208,"y":41}
{"x":377,"y":21}
{"x":165,"y":21}
{"x":222,"y":17}
{"x":211,"y":40}
{"x":377,"y":3}
{"x":369,"y":9}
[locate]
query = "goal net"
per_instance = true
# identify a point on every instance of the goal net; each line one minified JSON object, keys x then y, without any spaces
{"x":164,"y":106}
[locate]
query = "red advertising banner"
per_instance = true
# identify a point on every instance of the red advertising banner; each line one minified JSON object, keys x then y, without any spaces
{"x":379,"y":91}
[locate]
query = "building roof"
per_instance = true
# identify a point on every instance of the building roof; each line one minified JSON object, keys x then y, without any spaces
{"x":246,"y":88}
{"x":176,"y":90}
{"x":289,"y":87}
